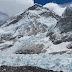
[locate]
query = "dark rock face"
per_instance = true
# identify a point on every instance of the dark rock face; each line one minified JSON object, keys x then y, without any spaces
{"x":31,"y":49}
{"x":5,"y":47}
{"x":24,"y":69}
{"x":34,"y":7}
{"x":27,"y":51}
{"x":62,"y":32}
{"x":69,"y":46}
{"x":68,"y":11}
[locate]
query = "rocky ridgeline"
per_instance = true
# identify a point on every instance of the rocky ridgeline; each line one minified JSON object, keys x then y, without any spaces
{"x":62,"y":32}
{"x":31,"y":22}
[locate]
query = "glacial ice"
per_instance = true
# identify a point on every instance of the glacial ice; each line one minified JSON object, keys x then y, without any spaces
{"x":55,"y":62}
{"x":46,"y":60}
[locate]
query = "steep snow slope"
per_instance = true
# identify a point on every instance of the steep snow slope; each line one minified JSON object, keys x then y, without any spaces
{"x":29,"y":29}
{"x":63,"y":30}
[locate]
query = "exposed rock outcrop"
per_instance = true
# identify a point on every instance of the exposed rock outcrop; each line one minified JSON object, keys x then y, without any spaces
{"x":69,"y":46}
{"x":31,"y":49}
{"x":62,"y":32}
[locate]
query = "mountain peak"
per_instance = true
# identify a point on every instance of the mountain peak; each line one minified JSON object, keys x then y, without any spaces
{"x":35,"y":6}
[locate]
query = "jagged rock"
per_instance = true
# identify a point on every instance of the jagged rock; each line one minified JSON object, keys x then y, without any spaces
{"x":6,"y":45}
{"x":31,"y":49}
{"x":62,"y":32}
{"x":27,"y":51}
{"x":69,"y":46}
{"x":35,"y":6}
{"x":68,"y":11}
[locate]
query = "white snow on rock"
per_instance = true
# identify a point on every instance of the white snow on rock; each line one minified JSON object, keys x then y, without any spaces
{"x":56,"y":8}
{"x":48,"y":21}
{"x":33,"y":18}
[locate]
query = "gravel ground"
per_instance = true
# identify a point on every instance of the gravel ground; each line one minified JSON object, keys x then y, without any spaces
{"x":23,"y":69}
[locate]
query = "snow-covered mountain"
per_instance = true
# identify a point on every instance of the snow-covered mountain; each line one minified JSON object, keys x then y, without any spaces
{"x":38,"y":37}
{"x":63,"y":30}
{"x":33,"y":21}
{"x":3,"y":17}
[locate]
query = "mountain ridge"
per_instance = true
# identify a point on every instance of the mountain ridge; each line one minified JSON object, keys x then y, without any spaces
{"x":37,"y":37}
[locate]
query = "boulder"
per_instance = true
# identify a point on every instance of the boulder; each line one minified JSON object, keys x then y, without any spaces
{"x":62,"y":32}
{"x":31,"y":49}
{"x":69,"y":46}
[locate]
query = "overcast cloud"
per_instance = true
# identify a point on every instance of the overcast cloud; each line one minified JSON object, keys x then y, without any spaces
{"x":12,"y":7}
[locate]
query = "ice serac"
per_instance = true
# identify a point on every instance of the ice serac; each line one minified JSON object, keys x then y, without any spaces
{"x":62,"y":32}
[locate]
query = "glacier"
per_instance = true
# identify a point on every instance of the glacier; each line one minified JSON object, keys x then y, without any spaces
{"x":33,"y":27}
{"x":46,"y":60}
{"x":54,"y":62}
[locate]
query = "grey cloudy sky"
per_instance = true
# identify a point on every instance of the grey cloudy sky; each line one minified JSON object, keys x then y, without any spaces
{"x":12,"y":7}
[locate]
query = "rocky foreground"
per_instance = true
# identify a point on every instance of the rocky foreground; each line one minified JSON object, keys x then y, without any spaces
{"x":23,"y":69}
